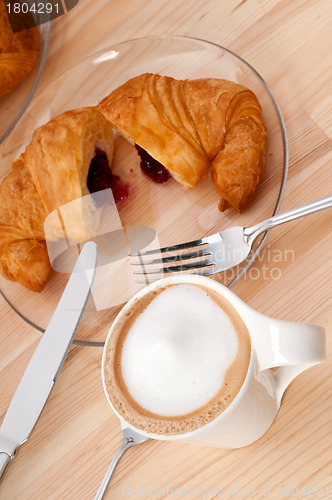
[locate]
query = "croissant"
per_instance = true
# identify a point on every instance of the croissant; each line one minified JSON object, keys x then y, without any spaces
{"x":18,"y":53}
{"x":192,"y":127}
{"x":55,"y":169}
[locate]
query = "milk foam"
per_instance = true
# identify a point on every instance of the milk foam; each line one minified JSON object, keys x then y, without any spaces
{"x":176,"y":353}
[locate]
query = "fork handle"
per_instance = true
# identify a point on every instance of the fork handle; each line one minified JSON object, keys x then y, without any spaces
{"x":126,"y":444}
{"x":252,"y":232}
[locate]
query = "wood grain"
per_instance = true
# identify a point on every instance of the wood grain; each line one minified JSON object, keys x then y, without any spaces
{"x":289,"y":43}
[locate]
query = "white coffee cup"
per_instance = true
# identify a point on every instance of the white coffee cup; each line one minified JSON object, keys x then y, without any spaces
{"x":289,"y":347}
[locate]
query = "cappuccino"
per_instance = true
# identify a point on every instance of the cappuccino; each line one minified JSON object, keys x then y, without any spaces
{"x":176,"y":359}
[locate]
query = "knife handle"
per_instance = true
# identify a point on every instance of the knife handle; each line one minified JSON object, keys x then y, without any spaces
{"x":4,"y":461}
{"x":8,"y":451}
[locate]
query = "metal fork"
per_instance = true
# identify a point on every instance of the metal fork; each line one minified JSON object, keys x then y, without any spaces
{"x":219,"y":251}
{"x":130,"y":438}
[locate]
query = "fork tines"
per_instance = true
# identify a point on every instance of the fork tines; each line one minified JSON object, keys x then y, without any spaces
{"x":157,"y":261}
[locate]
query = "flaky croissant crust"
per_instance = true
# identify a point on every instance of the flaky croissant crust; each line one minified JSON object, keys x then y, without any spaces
{"x":51,"y":172}
{"x":192,"y":126}
{"x":18,"y":53}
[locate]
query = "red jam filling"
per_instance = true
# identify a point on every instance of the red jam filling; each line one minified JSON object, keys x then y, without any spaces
{"x":151,"y":167}
{"x":100,"y":177}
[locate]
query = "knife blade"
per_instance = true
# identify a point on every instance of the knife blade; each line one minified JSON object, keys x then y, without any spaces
{"x":48,"y":358}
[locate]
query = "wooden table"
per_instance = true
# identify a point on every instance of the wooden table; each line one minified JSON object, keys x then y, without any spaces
{"x":289,"y":43}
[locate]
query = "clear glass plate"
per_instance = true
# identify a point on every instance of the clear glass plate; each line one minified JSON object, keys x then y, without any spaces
{"x":176,"y":214}
{"x":13,"y":104}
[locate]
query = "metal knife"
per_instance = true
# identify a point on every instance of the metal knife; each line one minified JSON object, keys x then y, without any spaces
{"x":47,"y":360}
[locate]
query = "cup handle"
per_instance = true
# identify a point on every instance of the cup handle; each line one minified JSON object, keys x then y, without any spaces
{"x":289,"y":346}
